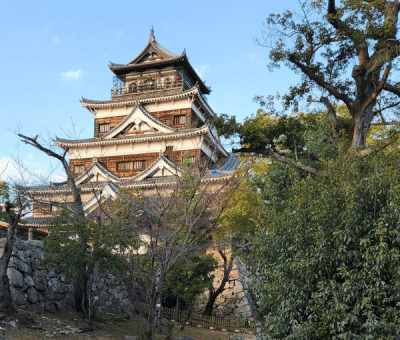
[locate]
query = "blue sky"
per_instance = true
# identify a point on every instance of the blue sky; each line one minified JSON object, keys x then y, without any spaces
{"x":54,"y":52}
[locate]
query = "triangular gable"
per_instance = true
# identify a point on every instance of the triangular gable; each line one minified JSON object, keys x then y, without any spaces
{"x":162,"y":167}
{"x":138,"y":120}
{"x":96,"y":171}
{"x":152,"y":51}
{"x":109,"y":190}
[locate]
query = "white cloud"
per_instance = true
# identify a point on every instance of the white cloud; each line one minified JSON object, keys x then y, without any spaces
{"x":251,"y":56}
{"x":120,"y":32}
{"x":202,"y":70}
{"x":56,"y":40}
{"x":71,"y":75}
{"x":47,"y":27}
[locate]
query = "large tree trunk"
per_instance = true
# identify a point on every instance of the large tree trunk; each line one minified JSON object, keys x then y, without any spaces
{"x":214,"y":293}
{"x":155,"y":298}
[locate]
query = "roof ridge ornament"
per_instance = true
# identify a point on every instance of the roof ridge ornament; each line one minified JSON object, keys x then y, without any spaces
{"x":152,"y":37}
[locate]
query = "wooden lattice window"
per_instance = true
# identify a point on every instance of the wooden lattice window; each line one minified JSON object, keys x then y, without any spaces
{"x":104,"y":127}
{"x":191,"y":159}
{"x":169,"y":148}
{"x":124,"y":166}
{"x":178,"y":120}
{"x":138,"y":165}
{"x":79,"y":169}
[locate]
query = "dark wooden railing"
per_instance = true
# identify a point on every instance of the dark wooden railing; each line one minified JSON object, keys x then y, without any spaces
{"x":121,"y":93}
{"x":202,"y":321}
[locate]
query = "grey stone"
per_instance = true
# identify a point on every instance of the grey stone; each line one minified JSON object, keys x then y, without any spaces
{"x":130,"y":337}
{"x":70,"y":288}
{"x":54,"y":285}
{"x":40,"y":281}
{"x":33,"y":295}
{"x":17,"y":297}
{"x":51,"y":273}
{"x":70,"y":300}
{"x":179,"y":337}
{"x":54,"y":296}
{"x":16,"y":278}
{"x":29,"y":281}
{"x":49,"y":307}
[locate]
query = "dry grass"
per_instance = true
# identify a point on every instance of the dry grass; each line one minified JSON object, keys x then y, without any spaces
{"x":107,"y":328}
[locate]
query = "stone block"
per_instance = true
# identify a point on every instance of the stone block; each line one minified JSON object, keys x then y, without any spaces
{"x":53,"y":296}
{"x":54,"y":285}
{"x":69,"y":299}
{"x":16,"y":278}
{"x":40,"y":281}
{"x":17,"y":297}
{"x":242,"y":309}
{"x":238,"y":289}
{"x":33,"y":295}
{"x":29,"y":281}
{"x":49,"y":307}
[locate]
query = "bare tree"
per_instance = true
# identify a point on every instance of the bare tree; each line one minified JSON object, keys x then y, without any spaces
{"x":171,"y":222}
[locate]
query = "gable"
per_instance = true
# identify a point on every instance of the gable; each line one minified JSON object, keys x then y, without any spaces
{"x":138,"y":122}
{"x":162,"y":167}
{"x":96,"y":173}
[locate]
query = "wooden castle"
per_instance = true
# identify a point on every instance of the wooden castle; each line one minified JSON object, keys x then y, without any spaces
{"x":158,"y":114}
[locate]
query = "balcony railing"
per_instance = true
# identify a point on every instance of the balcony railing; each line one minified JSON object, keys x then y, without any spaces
{"x":122,"y":93}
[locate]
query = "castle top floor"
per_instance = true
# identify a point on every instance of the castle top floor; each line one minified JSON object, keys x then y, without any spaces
{"x":155,"y":71}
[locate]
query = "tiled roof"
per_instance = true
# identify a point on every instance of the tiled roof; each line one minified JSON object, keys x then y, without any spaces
{"x":35,"y":221}
{"x":61,"y":141}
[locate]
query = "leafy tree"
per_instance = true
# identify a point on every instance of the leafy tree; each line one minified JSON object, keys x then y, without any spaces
{"x":346,"y":55}
{"x":327,"y":254}
{"x":99,"y":263}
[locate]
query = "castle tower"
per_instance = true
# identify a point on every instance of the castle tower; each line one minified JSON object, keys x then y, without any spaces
{"x":157,"y":115}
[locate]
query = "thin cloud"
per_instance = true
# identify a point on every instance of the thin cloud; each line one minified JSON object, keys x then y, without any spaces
{"x":120,"y":32}
{"x":202,"y":70}
{"x":56,"y":40}
{"x":71,"y":75}
{"x":251,"y":56}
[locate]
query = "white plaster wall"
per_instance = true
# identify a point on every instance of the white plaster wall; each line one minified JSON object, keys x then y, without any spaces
{"x":135,"y":148}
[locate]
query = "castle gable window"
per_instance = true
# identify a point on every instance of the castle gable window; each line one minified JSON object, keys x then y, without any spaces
{"x":79,"y":169}
{"x":104,"y":127}
{"x":190,"y":159}
{"x":124,"y":166}
{"x":181,"y":119}
{"x":169,"y":148}
{"x":138,"y":165}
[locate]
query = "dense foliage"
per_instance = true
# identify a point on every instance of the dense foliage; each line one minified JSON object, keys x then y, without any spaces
{"x":326,"y":257}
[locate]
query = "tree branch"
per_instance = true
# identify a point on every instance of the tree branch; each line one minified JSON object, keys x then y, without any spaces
{"x":378,"y":89}
{"x":282,"y":159}
{"x":318,"y":79}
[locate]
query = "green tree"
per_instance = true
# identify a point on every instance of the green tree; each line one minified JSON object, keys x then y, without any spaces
{"x":326,"y":257}
{"x":101,"y":262}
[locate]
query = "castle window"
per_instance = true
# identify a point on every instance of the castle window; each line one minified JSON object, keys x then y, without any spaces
{"x":169,"y":148}
{"x":138,"y":165}
{"x":191,"y":159}
{"x":124,"y":166}
{"x":104,"y":127}
{"x":79,"y":169}
{"x":179,"y":119}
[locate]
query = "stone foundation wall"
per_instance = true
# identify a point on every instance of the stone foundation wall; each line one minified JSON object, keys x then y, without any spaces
{"x":232,"y":300}
{"x":45,"y":290}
